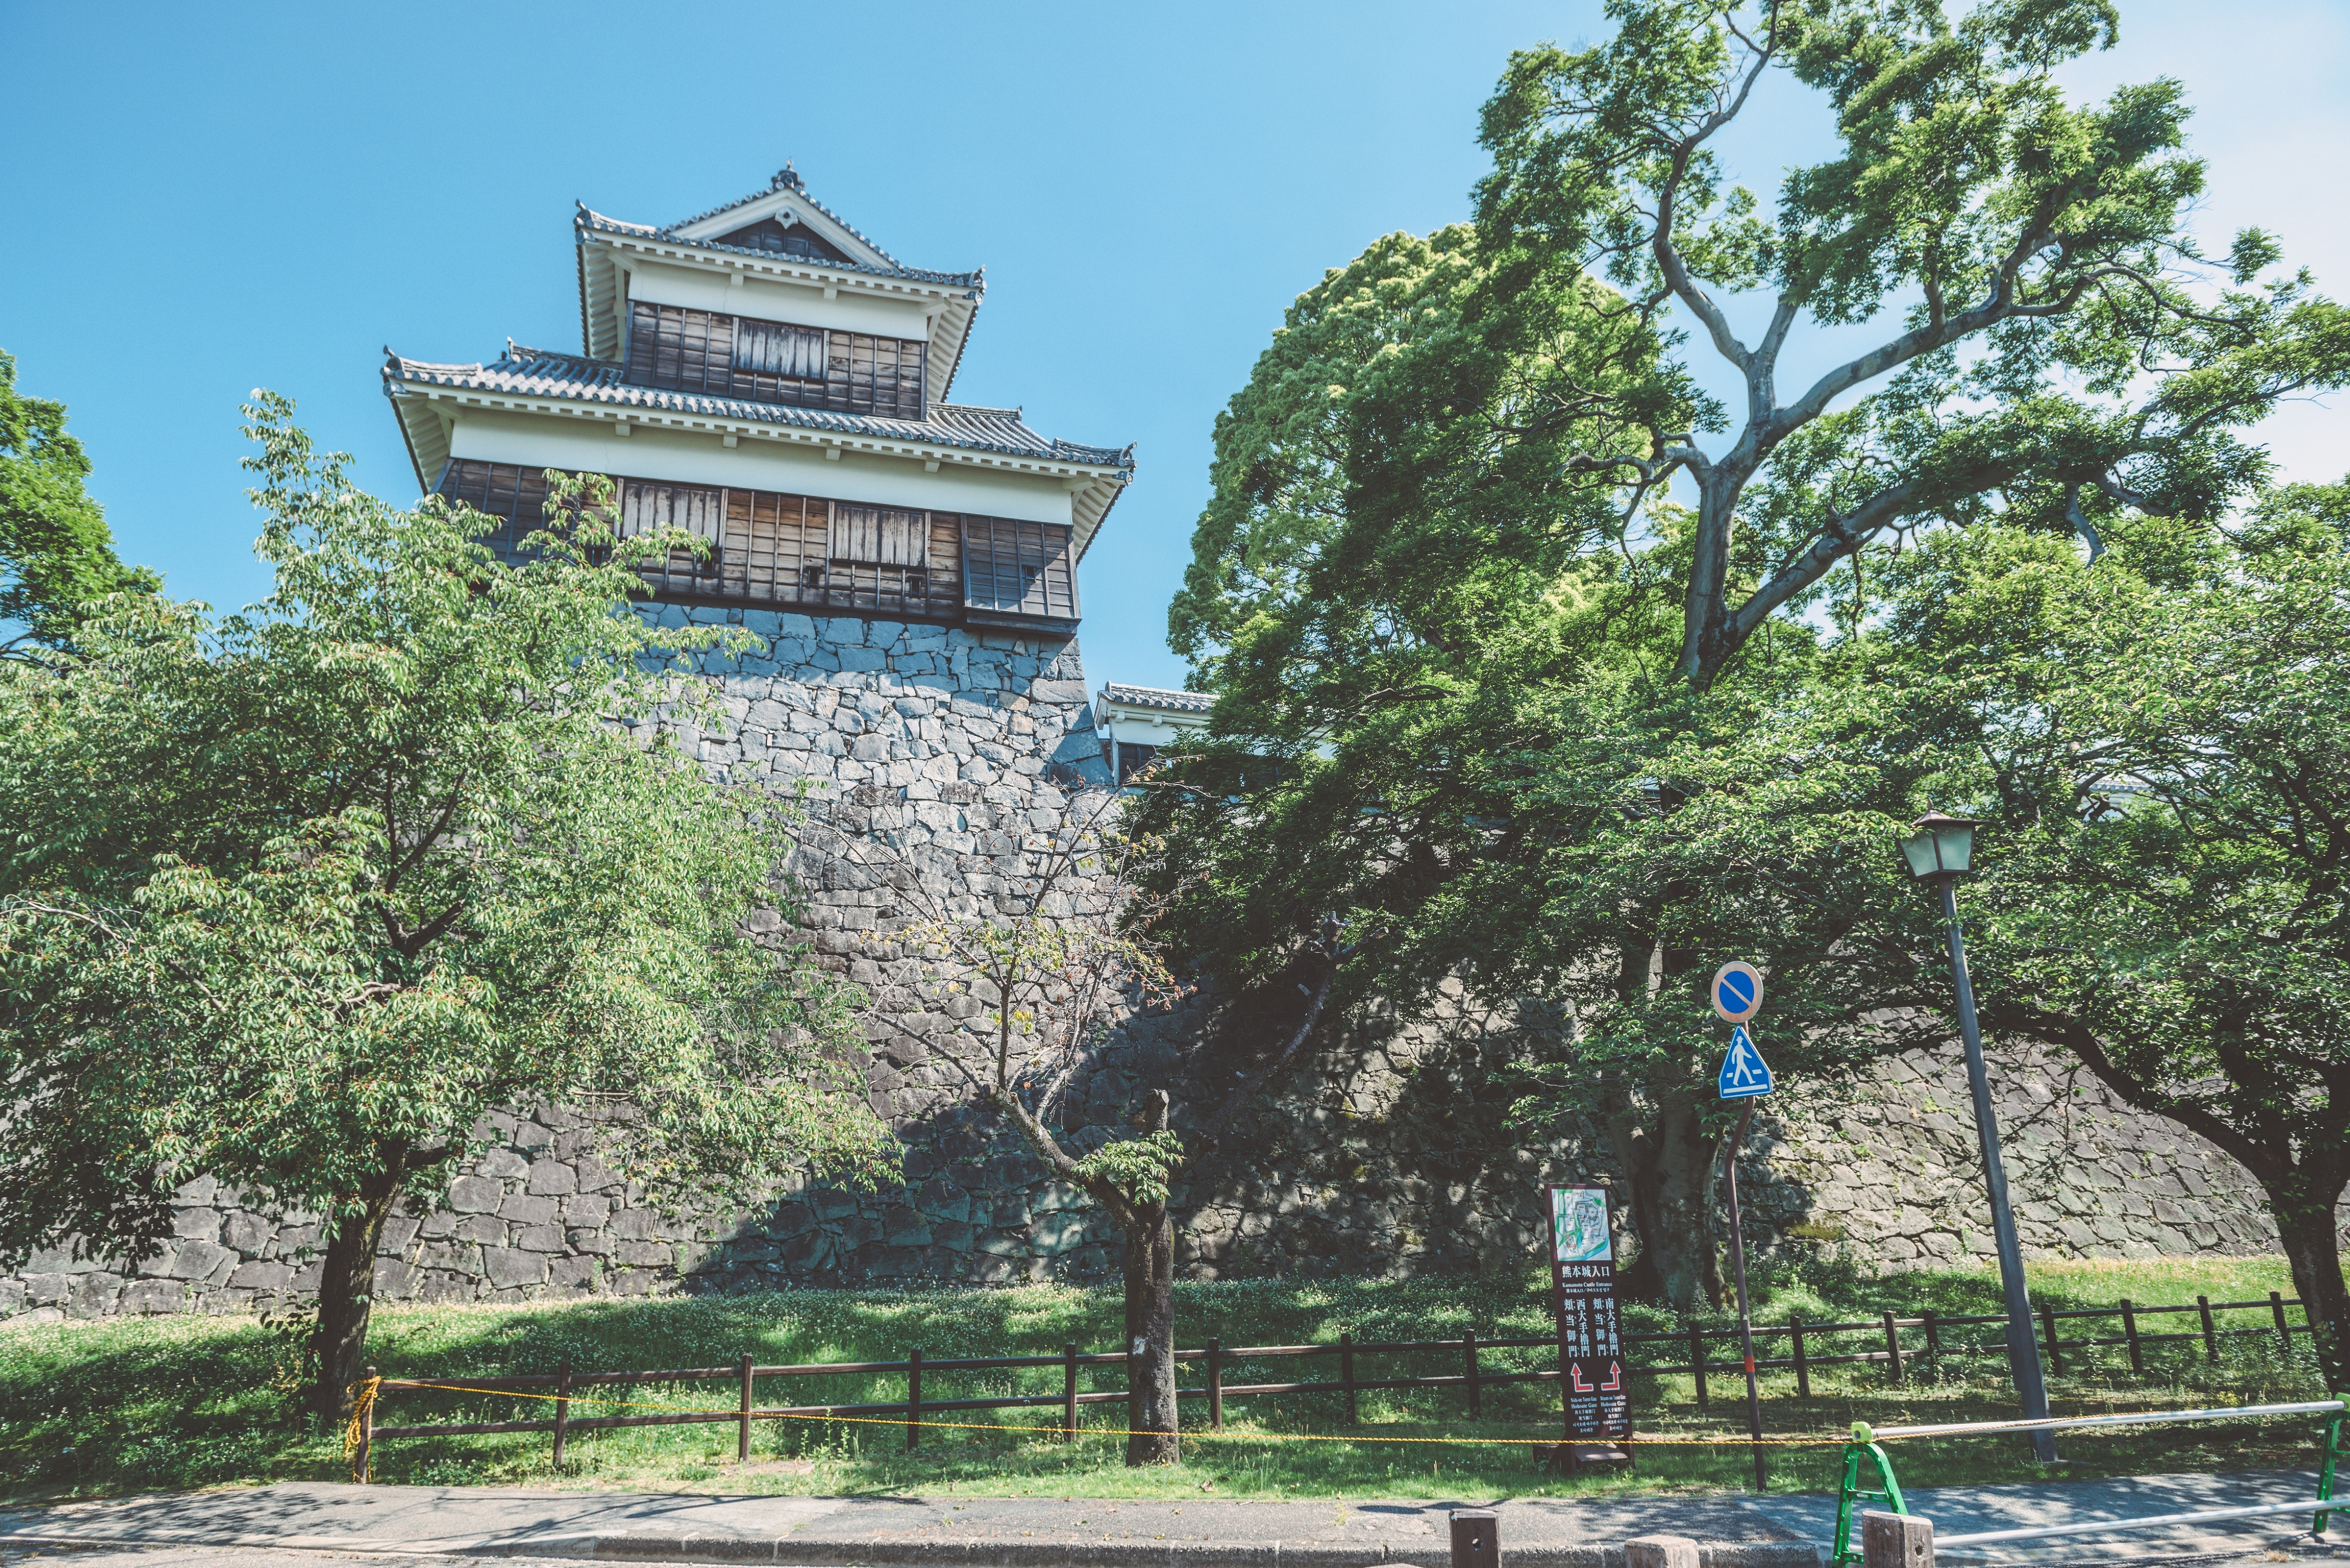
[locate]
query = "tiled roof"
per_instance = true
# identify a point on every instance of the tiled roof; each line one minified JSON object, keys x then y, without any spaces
{"x":588,"y":218}
{"x":533,"y":372}
{"x":1159,"y":696}
{"x":788,"y":179}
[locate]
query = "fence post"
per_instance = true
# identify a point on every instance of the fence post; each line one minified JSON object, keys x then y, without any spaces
{"x":2129,"y":1332}
{"x":1346,"y":1373}
{"x":2210,"y":1334}
{"x":2284,"y":1330}
{"x":1476,"y":1538}
{"x":1215,"y":1385}
{"x":562,"y":1408}
{"x":1892,"y":1349}
{"x":1069,"y":1393}
{"x":913,"y":1399}
{"x":2048,"y":1327}
{"x":1697,"y":1362}
{"x":367,"y":1425}
{"x":1469,"y":1355}
{"x":1933,"y":1333}
{"x":1895,"y":1541}
{"x":743,"y":1432}
{"x":1802,"y":1367}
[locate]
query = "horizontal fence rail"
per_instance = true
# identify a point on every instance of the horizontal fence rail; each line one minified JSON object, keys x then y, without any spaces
{"x":1928,"y":1338}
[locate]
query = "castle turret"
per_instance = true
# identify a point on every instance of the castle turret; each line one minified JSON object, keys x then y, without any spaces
{"x":767,"y":377}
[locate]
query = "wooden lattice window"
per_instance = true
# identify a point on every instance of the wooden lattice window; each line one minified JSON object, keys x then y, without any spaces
{"x":515,"y":495}
{"x":880,"y":535}
{"x":684,"y":350}
{"x":776,"y":348}
{"x":867,"y":375}
{"x":689,"y":350}
{"x":1018,"y":571}
{"x":649,"y":506}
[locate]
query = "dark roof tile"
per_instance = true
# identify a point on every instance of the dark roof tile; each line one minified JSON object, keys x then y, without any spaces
{"x":1159,"y":696}
{"x":533,"y":372}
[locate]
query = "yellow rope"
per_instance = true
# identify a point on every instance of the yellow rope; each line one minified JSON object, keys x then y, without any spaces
{"x":354,"y":1430}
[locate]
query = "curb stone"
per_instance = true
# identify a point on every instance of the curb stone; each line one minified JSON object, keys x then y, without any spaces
{"x":918,"y":1554}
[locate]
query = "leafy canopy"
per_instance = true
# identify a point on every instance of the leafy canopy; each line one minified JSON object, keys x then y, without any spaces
{"x":296,"y":897}
{"x":56,"y":554}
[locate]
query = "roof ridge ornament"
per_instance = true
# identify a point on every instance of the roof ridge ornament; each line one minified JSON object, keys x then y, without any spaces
{"x":786,"y":178}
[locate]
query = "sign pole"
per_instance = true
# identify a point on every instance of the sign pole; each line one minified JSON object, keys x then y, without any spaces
{"x":1744,"y":1075}
{"x":1745,"y":1321}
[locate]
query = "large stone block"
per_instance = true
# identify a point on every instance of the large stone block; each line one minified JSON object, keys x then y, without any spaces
{"x":551,"y":1177}
{"x":261,"y":1276}
{"x":475,"y":1194}
{"x":196,"y":1259}
{"x":508,"y":1267}
{"x":154,"y":1296}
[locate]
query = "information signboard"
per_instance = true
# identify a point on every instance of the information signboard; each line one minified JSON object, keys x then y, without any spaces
{"x":1593,"y":1385}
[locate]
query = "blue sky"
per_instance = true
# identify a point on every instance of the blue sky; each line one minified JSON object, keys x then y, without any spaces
{"x":199,"y":201}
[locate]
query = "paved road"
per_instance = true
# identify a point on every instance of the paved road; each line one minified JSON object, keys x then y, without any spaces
{"x":323,"y":1522}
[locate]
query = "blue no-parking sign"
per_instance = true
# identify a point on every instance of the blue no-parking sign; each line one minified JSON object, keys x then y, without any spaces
{"x":1744,"y":1074}
{"x":1737,"y":991}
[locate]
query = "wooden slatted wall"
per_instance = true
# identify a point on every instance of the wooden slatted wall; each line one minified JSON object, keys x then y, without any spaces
{"x":689,"y":350}
{"x":1019,"y":569}
{"x":812,"y":555}
{"x":516,"y":496}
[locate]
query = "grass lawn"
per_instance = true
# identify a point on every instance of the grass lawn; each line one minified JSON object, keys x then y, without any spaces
{"x":153,"y":1404}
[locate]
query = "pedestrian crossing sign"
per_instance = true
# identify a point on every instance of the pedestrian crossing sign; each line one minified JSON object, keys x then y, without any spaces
{"x":1744,"y":1074}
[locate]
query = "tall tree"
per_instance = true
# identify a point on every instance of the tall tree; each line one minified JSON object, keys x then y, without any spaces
{"x":1481,"y":766}
{"x":2063,"y":351}
{"x":56,"y":554}
{"x":2160,"y":747}
{"x":1019,"y":995}
{"x":296,"y":899}
{"x":1441,"y":578}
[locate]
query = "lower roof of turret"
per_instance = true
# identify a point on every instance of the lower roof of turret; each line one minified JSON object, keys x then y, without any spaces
{"x":570,"y":377}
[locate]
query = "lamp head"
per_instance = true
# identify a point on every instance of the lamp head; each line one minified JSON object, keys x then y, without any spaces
{"x":1942,"y":846}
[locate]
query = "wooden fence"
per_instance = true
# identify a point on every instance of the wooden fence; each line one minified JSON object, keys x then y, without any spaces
{"x":1929,"y":1335}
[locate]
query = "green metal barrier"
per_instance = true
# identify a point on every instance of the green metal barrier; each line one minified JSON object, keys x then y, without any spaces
{"x":1888,"y":1490}
{"x":1864,"y":1447}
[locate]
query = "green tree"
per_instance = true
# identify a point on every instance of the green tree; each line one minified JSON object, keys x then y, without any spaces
{"x":2160,"y":747}
{"x":296,"y":899}
{"x":1018,"y":997}
{"x":1481,"y":765}
{"x":1440,"y":581}
{"x":2059,"y":349}
{"x":57,"y":556}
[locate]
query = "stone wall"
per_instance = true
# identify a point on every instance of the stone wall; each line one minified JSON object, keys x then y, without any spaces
{"x":1387,"y":1154}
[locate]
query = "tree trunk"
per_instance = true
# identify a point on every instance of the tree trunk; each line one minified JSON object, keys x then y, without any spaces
{"x":2306,"y":1226}
{"x":1151,"y":1418}
{"x":346,"y":1293}
{"x":1669,"y":1167}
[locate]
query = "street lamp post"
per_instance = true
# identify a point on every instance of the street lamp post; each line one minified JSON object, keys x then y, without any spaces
{"x":1940,"y":853}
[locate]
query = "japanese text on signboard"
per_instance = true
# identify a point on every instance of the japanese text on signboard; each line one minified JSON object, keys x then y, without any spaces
{"x":1592,"y":1382}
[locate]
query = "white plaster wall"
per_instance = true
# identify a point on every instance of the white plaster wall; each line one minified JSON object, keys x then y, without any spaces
{"x":1135,"y":729}
{"x":696,"y":457}
{"x":697,"y":288}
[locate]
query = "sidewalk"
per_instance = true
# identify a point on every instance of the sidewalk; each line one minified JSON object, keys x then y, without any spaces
{"x":1080,"y":1532}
